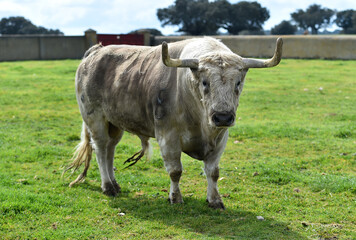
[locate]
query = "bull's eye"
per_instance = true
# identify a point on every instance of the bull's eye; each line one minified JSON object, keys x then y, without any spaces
{"x":205,"y":83}
{"x":237,"y":87}
{"x":205,"y":86}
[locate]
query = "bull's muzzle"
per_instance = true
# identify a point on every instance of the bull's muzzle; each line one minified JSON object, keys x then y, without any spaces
{"x":223,"y":119}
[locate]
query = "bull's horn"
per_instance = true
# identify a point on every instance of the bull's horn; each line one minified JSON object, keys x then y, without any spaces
{"x":184,"y":63}
{"x":274,"y":61}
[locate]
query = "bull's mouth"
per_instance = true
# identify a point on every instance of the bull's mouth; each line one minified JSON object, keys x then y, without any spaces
{"x":223,"y":119}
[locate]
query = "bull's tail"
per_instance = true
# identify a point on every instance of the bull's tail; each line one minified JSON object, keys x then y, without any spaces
{"x":93,"y":49}
{"x":82,"y":154}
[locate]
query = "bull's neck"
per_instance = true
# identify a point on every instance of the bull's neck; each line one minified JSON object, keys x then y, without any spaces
{"x":189,"y":97}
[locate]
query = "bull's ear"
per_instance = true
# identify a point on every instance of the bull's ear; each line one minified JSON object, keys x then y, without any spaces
{"x":183,"y":63}
{"x":274,"y":61}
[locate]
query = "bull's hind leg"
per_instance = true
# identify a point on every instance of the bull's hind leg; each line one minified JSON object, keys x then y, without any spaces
{"x":115,"y":135}
{"x":105,"y":137}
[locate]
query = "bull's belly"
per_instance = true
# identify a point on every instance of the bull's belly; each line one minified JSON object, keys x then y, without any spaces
{"x":133,"y":123}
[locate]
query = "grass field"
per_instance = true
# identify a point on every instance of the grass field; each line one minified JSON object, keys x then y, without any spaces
{"x":291,"y":158}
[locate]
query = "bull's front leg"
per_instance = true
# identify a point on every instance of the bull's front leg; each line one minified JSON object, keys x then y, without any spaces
{"x":211,"y":168}
{"x":171,"y":153}
{"x":174,"y":169}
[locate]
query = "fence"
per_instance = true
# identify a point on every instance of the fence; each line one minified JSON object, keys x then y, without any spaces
{"x":73,"y":47}
{"x":132,"y":39}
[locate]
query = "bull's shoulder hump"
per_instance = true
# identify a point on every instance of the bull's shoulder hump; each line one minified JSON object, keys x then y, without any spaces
{"x":196,"y":47}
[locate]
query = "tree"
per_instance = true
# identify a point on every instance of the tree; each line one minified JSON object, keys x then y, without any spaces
{"x":195,"y":17}
{"x":344,"y":19}
{"x":245,"y":16}
{"x":152,"y":31}
{"x":285,"y":27}
{"x":20,"y":25}
{"x":201,"y":17}
{"x":315,"y":17}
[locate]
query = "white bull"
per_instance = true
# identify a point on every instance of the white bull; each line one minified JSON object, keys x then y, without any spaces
{"x":187,"y":103}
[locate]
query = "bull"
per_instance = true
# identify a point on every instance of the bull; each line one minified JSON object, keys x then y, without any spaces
{"x":186,"y":98}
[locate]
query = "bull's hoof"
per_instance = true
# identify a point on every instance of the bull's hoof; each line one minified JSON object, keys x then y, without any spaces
{"x":175,"y":198}
{"x":116,"y":186}
{"x":217,"y":205}
{"x":110,"y":190}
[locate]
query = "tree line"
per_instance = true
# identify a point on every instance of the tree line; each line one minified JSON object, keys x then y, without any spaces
{"x":21,"y":25}
{"x":201,"y":17}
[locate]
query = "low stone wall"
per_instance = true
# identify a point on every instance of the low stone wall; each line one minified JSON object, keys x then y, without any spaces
{"x":41,"y":47}
{"x":14,"y":48}
{"x":44,"y":47}
{"x":305,"y":47}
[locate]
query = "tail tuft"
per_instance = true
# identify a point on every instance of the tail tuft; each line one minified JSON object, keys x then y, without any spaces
{"x":82,"y":154}
{"x":146,"y":150}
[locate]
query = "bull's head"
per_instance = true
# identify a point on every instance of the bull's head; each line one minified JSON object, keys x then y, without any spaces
{"x":219,"y":78}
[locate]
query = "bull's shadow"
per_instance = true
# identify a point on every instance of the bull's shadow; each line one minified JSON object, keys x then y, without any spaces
{"x":196,"y":217}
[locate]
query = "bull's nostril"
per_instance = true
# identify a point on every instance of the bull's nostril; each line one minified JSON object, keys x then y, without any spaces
{"x":216,"y":119}
{"x":223,"y":119}
{"x":230,"y":119}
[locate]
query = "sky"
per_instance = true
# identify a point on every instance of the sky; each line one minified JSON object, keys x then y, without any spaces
{"x":73,"y":17}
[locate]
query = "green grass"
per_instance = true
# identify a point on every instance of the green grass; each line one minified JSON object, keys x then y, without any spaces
{"x":290,"y":158}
